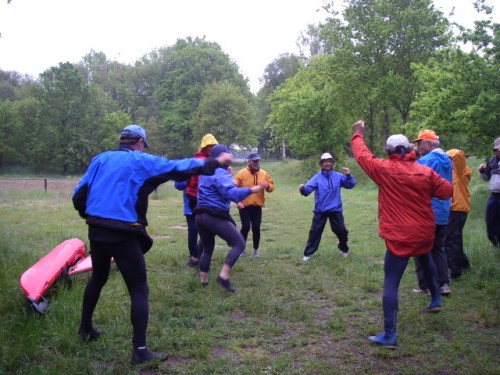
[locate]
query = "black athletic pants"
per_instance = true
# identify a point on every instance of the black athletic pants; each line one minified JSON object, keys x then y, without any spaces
{"x":210,"y":226}
{"x":130,"y":261}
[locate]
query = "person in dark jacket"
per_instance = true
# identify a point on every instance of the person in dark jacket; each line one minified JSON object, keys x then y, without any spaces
{"x":326,"y":185}
{"x":215,"y":194}
{"x":113,"y":198}
{"x":406,"y":220}
{"x":490,"y":171}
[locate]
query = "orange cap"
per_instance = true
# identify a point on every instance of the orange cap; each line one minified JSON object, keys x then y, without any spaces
{"x":426,"y":135}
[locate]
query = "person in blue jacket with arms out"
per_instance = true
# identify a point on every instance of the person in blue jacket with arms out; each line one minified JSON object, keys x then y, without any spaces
{"x":326,"y":185}
{"x":215,"y":194}
{"x":112,"y":197}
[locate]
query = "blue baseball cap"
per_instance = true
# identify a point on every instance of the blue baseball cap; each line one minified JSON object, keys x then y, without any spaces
{"x":135,"y":130}
{"x":219,"y":149}
{"x":253,"y":156}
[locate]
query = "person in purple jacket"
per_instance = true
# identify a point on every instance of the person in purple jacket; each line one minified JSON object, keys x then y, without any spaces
{"x":212,"y":218}
{"x":326,"y":185}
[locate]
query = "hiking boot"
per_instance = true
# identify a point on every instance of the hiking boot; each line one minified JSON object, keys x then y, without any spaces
{"x":385,"y":339}
{"x":243,"y":254}
{"x":91,"y":335}
{"x":434,"y":305}
{"x":426,"y":292}
{"x":143,"y":355}
{"x":306,"y":258}
{"x":256,"y":254}
{"x":192,"y":263}
{"x":445,"y":290}
{"x":225,"y":284}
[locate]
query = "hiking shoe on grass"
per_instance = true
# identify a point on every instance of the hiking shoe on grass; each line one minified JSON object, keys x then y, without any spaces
{"x":306,"y":258}
{"x":385,"y":339}
{"x":143,"y":355}
{"x":256,"y":254}
{"x":192,"y":263}
{"x":225,"y":284}
{"x":434,"y":305}
{"x":344,"y":254}
{"x":91,"y":335}
{"x":445,"y":290}
{"x":426,"y":292}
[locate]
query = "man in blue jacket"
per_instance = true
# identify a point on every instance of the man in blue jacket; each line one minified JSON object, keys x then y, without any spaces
{"x":112,"y":197}
{"x":326,"y":185}
{"x":436,"y":158}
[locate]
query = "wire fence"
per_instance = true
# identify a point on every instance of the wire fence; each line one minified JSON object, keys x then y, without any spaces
{"x":47,"y":184}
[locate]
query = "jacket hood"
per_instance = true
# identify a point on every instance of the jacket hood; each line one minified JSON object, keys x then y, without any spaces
{"x":207,"y":140}
{"x":458,"y":159}
{"x":442,"y":157}
{"x":411,"y":156}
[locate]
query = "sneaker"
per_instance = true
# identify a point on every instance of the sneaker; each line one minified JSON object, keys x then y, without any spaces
{"x":426,"y":292}
{"x":243,"y":254}
{"x":225,"y":284}
{"x":306,"y":258}
{"x":345,"y":255}
{"x":256,"y":254}
{"x":434,"y":305}
{"x":192,"y":263}
{"x":385,"y":339}
{"x":91,"y":335}
{"x":445,"y":290}
{"x":143,"y":355}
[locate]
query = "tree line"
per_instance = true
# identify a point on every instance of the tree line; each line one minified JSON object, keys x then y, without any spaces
{"x":397,"y":64}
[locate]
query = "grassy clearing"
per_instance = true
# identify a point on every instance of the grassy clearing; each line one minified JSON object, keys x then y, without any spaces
{"x":288,"y":317}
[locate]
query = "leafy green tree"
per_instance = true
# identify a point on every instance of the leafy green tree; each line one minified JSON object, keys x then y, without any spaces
{"x":10,"y":133}
{"x":112,"y":78}
{"x":277,"y":72}
{"x":460,"y":91}
{"x":226,"y":113}
{"x":64,"y":134}
{"x":372,"y":47}
{"x":304,"y":113}
{"x":191,"y":65}
{"x":110,"y":128}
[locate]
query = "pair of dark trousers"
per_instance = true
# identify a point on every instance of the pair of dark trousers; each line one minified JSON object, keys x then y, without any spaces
{"x":318,"y":225}
{"x":210,"y":226}
{"x":251,"y":216}
{"x":194,"y":246}
{"x":440,"y":260}
{"x":492,"y":218}
{"x":130,"y":261}
{"x":394,"y":267}
{"x":453,"y":243}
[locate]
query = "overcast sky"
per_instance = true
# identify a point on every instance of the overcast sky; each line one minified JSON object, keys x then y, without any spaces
{"x":39,"y":34}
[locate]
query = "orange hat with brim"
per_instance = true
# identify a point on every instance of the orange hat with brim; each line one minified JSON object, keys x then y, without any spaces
{"x":426,"y":135}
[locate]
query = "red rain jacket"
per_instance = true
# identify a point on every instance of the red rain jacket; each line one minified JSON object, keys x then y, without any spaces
{"x":406,"y":219}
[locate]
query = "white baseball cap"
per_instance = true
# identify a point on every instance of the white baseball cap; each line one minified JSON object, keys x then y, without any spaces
{"x":326,"y":156}
{"x":397,"y":140}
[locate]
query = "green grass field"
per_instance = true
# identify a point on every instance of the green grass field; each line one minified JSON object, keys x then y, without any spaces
{"x":287,"y":317}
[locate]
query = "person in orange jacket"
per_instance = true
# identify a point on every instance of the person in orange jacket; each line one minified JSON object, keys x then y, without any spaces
{"x":250,"y":208}
{"x":460,"y":206}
